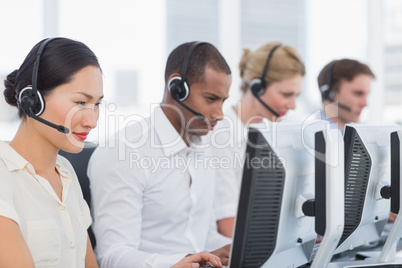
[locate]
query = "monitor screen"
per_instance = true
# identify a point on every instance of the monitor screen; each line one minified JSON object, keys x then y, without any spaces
{"x":388,"y":252}
{"x":278,"y":176}
{"x":328,"y":208}
{"x":367,"y":171}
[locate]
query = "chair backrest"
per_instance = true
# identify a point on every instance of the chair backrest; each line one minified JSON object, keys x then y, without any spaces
{"x":80,"y":164}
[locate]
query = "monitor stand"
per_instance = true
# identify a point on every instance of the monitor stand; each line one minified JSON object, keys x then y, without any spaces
{"x":382,"y":256}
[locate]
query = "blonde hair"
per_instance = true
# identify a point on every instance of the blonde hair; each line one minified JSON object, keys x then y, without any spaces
{"x":285,"y":63}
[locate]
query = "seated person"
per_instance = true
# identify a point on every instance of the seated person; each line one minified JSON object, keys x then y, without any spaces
{"x":344,"y":85}
{"x":43,"y":215}
{"x":152,"y":193}
{"x":272,"y":78}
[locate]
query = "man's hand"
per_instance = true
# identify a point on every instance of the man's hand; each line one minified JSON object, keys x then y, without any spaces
{"x":194,"y":260}
{"x":223,"y":254}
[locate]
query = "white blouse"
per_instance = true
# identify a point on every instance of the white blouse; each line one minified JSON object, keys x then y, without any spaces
{"x":229,"y":144}
{"x":55,"y":231}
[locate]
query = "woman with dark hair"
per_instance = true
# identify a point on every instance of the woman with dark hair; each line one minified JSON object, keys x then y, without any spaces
{"x":43,"y":215}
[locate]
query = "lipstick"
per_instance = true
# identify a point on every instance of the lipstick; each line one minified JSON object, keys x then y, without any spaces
{"x":81,"y":135}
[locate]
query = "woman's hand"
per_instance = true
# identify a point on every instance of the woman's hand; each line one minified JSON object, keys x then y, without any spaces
{"x":194,"y":261}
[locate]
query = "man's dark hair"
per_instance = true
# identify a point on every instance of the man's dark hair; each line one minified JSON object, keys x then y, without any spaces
{"x":204,"y":55}
{"x":344,"y":69}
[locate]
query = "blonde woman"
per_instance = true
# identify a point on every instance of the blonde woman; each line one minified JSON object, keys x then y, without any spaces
{"x":272,"y":78}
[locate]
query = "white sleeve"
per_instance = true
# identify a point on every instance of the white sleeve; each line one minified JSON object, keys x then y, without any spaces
{"x":7,"y":208}
{"x":87,"y":214}
{"x":117,"y":192}
{"x":227,"y":188}
{"x":215,"y":240}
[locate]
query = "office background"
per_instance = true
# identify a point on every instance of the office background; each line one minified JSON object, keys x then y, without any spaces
{"x":133,"y":38}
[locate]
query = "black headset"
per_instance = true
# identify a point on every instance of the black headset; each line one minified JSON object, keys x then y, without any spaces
{"x":30,"y":99}
{"x":327,"y":90}
{"x":177,"y":85}
{"x":257,"y":85}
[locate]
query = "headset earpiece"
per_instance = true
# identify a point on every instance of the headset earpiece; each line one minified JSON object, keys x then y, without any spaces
{"x":178,"y":89}
{"x":31,"y":101}
{"x":327,"y":92}
{"x":177,"y":85}
{"x":257,"y":87}
{"x":326,"y":89}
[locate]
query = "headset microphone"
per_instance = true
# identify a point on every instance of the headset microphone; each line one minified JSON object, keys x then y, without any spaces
{"x":177,"y":86}
{"x":343,"y":106}
{"x":60,"y":128}
{"x":176,"y":98}
{"x":328,"y":92}
{"x":257,"y":95}
{"x":30,"y":99}
{"x":257,"y":85}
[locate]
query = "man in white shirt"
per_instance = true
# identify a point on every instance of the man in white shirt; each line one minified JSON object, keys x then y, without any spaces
{"x":344,"y":85}
{"x":153,"y":187}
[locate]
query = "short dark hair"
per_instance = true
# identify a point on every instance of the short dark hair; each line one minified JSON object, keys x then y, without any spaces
{"x":61,"y":59}
{"x":204,"y":54}
{"x":344,"y":69}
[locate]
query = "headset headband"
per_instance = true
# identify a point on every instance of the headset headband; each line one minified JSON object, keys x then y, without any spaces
{"x":187,"y":60}
{"x":326,"y":88}
{"x":264,"y":72}
{"x":329,"y":73}
{"x":37,"y":61}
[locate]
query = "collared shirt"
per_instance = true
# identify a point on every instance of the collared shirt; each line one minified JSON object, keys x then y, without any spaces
{"x":55,"y":230}
{"x":228,"y":143}
{"x":322,"y":116}
{"x":152,"y":197}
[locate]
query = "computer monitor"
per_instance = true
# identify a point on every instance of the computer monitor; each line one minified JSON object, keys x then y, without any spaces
{"x":328,"y":204}
{"x":278,"y":177}
{"x":388,"y":253}
{"x":367,"y":171}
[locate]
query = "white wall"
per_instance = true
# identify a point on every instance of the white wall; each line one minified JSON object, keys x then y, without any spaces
{"x":336,"y":29}
{"x":132,"y":35}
